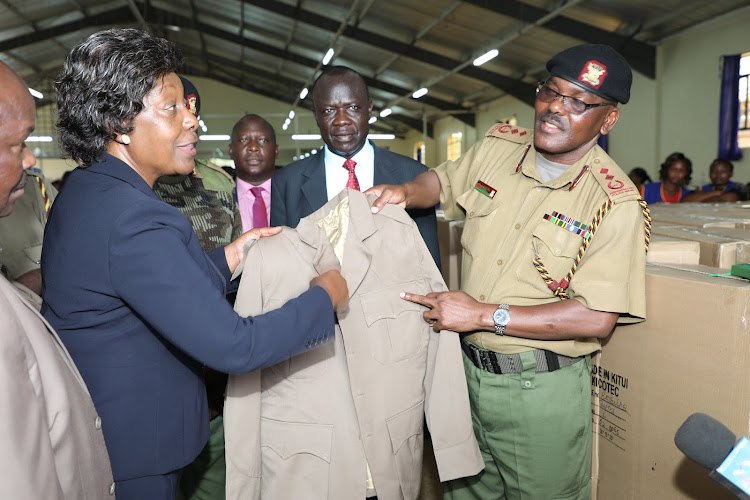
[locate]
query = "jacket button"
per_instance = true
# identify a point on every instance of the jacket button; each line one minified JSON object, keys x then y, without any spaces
{"x":98,"y":423}
{"x":112,"y":488}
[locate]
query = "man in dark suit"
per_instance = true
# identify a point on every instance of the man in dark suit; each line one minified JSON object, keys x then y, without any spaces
{"x":342,"y":109}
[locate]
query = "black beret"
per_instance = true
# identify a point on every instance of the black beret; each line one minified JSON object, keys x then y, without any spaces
{"x":600,"y":69}
{"x":192,"y":97}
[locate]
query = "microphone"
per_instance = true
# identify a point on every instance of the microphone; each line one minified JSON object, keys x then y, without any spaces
{"x":709,"y":443}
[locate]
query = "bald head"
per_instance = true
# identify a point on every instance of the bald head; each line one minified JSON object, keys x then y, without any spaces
{"x":18,"y":117}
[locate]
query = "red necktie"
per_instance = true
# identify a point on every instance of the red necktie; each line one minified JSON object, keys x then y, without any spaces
{"x":352,"y":182}
{"x":260,"y":214}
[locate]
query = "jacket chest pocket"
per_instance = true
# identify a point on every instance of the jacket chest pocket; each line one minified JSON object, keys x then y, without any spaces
{"x":396,"y":329}
{"x":556,"y":247}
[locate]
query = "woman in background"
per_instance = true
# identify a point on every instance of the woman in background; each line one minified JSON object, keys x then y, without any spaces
{"x":127,"y":286}
{"x":721,"y":187}
{"x":640,"y":177}
{"x":675,"y":173}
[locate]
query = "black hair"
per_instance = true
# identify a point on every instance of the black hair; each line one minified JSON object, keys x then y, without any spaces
{"x":330,"y":71}
{"x":722,"y":160}
{"x":102,"y":85}
{"x":673,"y":158}
{"x":641,"y":174}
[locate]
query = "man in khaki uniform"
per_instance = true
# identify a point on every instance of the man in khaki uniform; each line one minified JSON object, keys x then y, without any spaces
{"x":553,"y":257}
{"x":22,"y":231}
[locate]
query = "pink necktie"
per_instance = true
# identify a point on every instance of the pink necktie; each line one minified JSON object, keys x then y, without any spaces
{"x":260,"y":214}
{"x":352,"y":182}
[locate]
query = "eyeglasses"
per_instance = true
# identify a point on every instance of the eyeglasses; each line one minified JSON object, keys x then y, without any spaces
{"x":571,"y":104}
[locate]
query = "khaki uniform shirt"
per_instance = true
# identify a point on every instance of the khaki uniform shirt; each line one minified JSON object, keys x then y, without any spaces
{"x":503,"y":233}
{"x":22,"y":231}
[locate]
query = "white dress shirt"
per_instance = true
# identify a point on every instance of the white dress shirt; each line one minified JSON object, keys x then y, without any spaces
{"x":337,"y":176}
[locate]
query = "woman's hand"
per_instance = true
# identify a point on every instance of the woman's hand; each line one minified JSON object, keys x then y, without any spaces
{"x":235,"y":250}
{"x":335,"y":285}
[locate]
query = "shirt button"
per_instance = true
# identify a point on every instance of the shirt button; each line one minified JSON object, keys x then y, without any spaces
{"x":557,"y":252}
{"x":500,"y":262}
{"x":596,"y":161}
{"x":112,"y":488}
{"x":481,"y":297}
{"x":518,"y":226}
{"x":527,"y":383}
{"x":471,"y":214}
{"x":98,"y":423}
{"x":537,"y":189}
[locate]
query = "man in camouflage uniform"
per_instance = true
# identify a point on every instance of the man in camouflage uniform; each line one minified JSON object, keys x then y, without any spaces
{"x":22,"y":231}
{"x":206,"y":197}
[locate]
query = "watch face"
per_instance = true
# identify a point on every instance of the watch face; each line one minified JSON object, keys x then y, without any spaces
{"x":501,"y":317}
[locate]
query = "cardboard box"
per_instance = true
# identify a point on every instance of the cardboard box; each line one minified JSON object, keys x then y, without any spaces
{"x":727,"y":215}
{"x":719,"y":247}
{"x":691,"y":355}
{"x":663,"y":249}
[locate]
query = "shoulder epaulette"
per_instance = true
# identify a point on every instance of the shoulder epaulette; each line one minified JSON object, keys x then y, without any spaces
{"x":207,"y":164}
{"x":509,"y":133}
{"x":34,"y":172}
{"x":613,"y":180}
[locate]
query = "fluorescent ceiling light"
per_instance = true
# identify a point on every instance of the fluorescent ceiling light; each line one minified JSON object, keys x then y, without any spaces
{"x":216,"y":137}
{"x":285,"y":126}
{"x":305,"y":137}
{"x":38,"y":138}
{"x":303,"y":94}
{"x":372,"y":120}
{"x":486,"y":57}
{"x":382,"y":137}
{"x":36,"y":93}
{"x":385,"y":112}
{"x":419,"y":93}
{"x":291,"y":114}
{"x":327,"y":58}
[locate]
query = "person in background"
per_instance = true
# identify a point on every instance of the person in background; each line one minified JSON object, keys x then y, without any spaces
{"x":254,"y":151}
{"x":342,"y":110}
{"x":721,"y":188}
{"x":206,"y":197}
{"x":640,"y":177}
{"x":51,"y":442}
{"x":22,"y":231}
{"x":126,"y":284}
{"x":533,"y":312}
{"x":675,"y":174}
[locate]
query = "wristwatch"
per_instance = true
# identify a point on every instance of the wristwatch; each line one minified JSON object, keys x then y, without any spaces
{"x":501,"y":317}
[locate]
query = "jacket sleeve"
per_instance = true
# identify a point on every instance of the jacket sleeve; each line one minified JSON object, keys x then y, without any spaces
{"x":446,"y":394}
{"x":152,"y":269}
{"x":27,"y":460}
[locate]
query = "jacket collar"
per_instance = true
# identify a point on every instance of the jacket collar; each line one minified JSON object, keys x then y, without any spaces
{"x":116,"y":168}
{"x":362,"y":239}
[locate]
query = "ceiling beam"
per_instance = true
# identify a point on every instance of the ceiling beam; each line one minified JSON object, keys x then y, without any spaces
{"x":640,"y":55}
{"x":521,"y":90}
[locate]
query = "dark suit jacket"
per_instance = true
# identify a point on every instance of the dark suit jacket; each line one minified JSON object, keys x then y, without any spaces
{"x":299,"y":189}
{"x":140,"y":306}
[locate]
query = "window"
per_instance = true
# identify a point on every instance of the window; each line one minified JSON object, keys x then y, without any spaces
{"x":454,"y":146}
{"x":743,"y":135}
{"x":419,"y":152}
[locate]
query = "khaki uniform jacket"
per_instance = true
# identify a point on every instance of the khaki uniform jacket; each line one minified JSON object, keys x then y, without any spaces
{"x":22,"y":231}
{"x":310,"y":426}
{"x":51,"y":443}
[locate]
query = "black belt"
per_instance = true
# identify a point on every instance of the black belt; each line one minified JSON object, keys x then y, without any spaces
{"x":493,"y":362}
